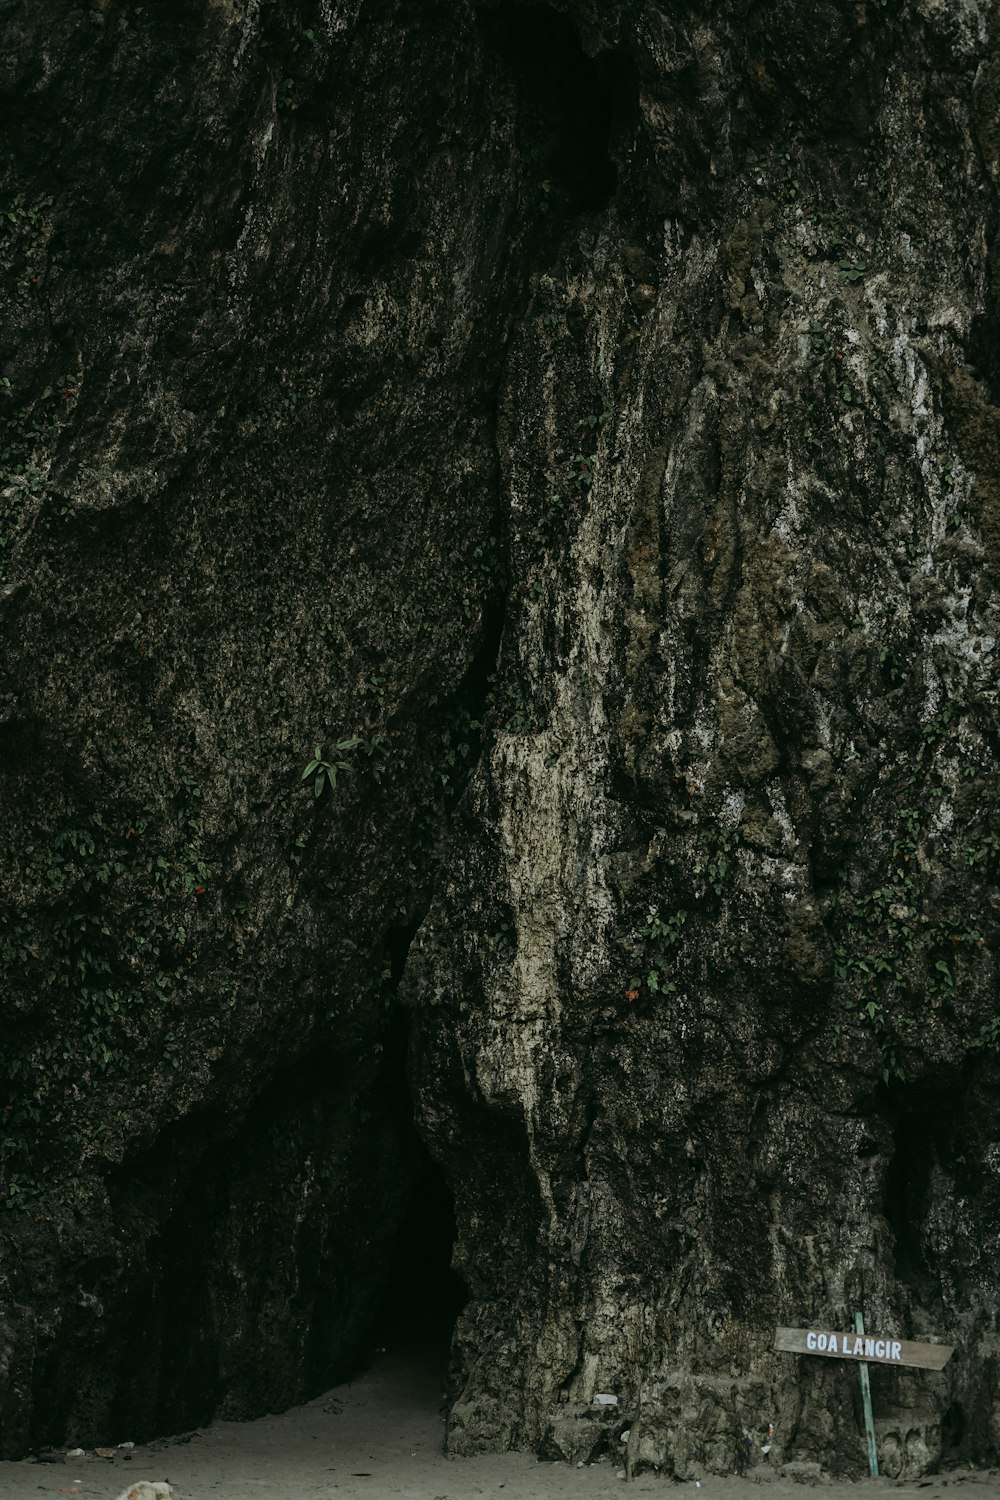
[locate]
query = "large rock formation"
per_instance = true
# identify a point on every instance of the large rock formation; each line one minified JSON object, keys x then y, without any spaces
{"x":581,"y":424}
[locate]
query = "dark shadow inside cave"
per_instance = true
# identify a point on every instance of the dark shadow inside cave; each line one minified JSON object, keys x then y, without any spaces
{"x":924,"y":1135}
{"x":423,"y":1295}
{"x":570,"y":107}
{"x":906,"y":1191}
{"x":264,"y":1256}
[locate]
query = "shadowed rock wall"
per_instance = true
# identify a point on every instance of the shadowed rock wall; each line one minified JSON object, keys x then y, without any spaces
{"x":249,"y":507}
{"x":585,"y":418}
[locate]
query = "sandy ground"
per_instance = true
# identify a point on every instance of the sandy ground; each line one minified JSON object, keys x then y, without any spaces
{"x":382,"y":1435}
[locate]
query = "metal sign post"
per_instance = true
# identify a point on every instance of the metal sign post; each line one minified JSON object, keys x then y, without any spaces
{"x":866,"y":1402}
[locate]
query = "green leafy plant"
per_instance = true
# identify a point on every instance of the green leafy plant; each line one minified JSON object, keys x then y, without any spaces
{"x":790,"y":177}
{"x":662,"y":935}
{"x":852,"y":270}
{"x":512,"y":707}
{"x":821,"y":342}
{"x":24,"y":232}
{"x":325,"y":772}
{"x":715,"y":867}
{"x":984,"y":853}
{"x":288,"y":94}
{"x":569,"y":480}
{"x":456,"y":755}
{"x":989,"y":1036}
{"x":942,"y":725}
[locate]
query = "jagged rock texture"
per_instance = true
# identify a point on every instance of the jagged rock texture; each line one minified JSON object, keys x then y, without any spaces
{"x":586,"y":417}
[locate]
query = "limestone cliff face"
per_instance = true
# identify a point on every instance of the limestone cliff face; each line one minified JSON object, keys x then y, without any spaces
{"x":586,"y":418}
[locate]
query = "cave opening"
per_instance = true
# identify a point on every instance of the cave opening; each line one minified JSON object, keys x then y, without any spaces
{"x":931,"y":1164}
{"x":423,"y":1295}
{"x":570,"y":107}
{"x":179,"y":1362}
{"x":906,"y":1193}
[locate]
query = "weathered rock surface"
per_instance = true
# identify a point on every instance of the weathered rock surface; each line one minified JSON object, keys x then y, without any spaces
{"x":586,"y":419}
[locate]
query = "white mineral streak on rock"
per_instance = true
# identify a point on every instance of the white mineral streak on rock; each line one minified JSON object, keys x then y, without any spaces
{"x":263,"y":209}
{"x":555,"y":829}
{"x":248,"y":30}
{"x":732,"y":809}
{"x":787,"y":523}
{"x":338,"y":17}
{"x":969,"y":21}
{"x":261,"y":145}
{"x":776,"y":797}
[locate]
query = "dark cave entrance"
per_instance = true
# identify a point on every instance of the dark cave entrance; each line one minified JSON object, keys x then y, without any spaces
{"x":423,"y":1296}
{"x":906,"y":1193}
{"x":931,"y":1164}
{"x":571,"y":109}
{"x":239,"y":1301}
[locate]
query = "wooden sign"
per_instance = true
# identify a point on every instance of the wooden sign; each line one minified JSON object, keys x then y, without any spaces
{"x":861,"y":1346}
{"x":864,"y":1349}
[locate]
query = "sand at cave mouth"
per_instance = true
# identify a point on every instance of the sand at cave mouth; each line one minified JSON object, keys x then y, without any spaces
{"x":381,"y":1435}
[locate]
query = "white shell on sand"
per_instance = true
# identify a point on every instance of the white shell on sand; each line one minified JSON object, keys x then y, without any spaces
{"x":144,"y":1490}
